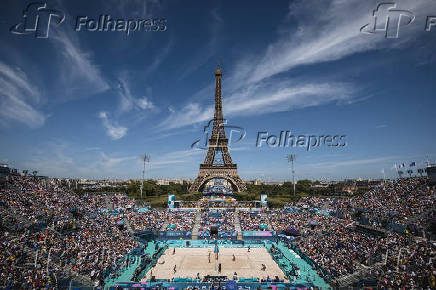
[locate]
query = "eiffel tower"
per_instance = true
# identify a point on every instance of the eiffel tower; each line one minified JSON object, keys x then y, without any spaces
{"x":218,"y":162}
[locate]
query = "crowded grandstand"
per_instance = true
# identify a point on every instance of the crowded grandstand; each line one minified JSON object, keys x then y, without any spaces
{"x":53,"y":238}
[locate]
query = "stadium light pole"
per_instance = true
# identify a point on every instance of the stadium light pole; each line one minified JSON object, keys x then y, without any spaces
{"x":145,"y":158}
{"x":291,"y":158}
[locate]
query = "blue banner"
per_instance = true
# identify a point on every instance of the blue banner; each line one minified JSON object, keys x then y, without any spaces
{"x":264,"y":235}
{"x":174,"y":235}
{"x":225,"y":235}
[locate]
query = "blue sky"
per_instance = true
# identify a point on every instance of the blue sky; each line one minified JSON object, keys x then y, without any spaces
{"x":88,"y":104}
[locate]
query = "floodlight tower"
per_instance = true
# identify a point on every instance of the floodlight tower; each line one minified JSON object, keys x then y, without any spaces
{"x":145,"y":158}
{"x":291,"y":158}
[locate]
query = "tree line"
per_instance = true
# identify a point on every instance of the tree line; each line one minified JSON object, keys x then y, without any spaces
{"x":157,"y":194}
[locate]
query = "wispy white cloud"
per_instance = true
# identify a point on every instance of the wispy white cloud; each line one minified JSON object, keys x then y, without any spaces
{"x":313,"y":32}
{"x":58,"y":163}
{"x":61,"y":159}
{"x":144,"y":103}
{"x":159,"y":58}
{"x":20,"y":80}
{"x":110,"y":162}
{"x":189,"y":114}
{"x":127,"y":100}
{"x":288,"y":96}
{"x":262,"y":99}
{"x":18,"y":98}
{"x":176,"y":157}
{"x":80,"y":76}
{"x":127,"y":103}
{"x":113,"y":130}
{"x":326,"y":31}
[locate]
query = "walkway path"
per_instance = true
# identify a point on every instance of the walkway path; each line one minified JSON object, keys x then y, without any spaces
{"x":265,"y":217}
{"x":238,"y":228}
{"x":165,"y":224}
{"x":196,"y":226}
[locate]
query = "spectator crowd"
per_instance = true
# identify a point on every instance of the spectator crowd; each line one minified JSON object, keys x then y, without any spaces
{"x":48,"y":233}
{"x":253,"y":221}
{"x":223,"y":221}
{"x":59,"y":234}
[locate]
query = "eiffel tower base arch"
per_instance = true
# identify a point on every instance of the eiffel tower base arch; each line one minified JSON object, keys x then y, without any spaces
{"x":209,"y":173}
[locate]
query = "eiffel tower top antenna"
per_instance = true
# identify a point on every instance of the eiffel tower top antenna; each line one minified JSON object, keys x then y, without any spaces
{"x":218,"y":69}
